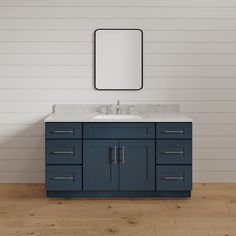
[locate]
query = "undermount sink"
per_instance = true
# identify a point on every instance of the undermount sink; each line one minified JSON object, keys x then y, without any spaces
{"x":116,"y":116}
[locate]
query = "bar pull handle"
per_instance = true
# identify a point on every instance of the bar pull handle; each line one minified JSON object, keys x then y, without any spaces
{"x":173,"y":178}
{"x":63,"y":178}
{"x":69,"y":131}
{"x":122,"y":149}
{"x":63,"y":152}
{"x":173,"y":131}
{"x":114,"y":153}
{"x":173,"y":152}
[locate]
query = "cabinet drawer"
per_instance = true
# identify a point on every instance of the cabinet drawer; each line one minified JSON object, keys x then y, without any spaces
{"x":173,"y":178}
{"x":60,"y":178}
{"x":174,"y":152}
{"x":63,"y":151}
{"x":63,"y":130}
{"x":174,"y":130}
{"x":119,"y":130}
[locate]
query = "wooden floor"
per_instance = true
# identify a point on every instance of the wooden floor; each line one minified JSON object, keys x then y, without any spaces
{"x":24,"y":210}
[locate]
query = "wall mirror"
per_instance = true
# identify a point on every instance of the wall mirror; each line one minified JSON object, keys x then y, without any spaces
{"x":118,"y":59}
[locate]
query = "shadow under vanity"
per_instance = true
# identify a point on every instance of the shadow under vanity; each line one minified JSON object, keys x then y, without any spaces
{"x":146,"y":157}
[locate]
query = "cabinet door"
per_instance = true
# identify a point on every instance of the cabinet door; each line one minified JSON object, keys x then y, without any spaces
{"x":100,"y":168}
{"x":137,"y":165}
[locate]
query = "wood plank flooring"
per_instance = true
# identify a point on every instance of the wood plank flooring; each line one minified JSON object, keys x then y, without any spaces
{"x":24,"y":210}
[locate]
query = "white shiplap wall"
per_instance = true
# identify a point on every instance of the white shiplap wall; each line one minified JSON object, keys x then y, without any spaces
{"x":46,"y":57}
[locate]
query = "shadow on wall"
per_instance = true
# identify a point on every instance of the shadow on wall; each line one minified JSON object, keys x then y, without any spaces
{"x":22,"y":153}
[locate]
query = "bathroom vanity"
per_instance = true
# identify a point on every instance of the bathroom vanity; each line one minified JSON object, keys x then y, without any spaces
{"x":113,"y":155}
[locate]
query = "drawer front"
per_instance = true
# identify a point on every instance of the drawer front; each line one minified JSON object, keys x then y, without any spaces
{"x":174,"y":152}
{"x":173,"y":178}
{"x":63,"y":151}
{"x":119,"y":130}
{"x":63,"y":130}
{"x":63,"y":178}
{"x":174,"y":130}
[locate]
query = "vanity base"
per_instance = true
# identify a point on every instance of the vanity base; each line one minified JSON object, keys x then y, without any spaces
{"x":162,"y":194}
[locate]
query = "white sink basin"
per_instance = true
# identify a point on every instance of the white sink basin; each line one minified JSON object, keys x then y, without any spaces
{"x":117,"y":117}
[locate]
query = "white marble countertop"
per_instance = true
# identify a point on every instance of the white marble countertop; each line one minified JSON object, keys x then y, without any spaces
{"x":87,"y":113}
{"x":157,"y":117}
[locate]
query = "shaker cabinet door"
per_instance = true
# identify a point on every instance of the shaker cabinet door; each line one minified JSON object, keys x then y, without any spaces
{"x":137,"y":165}
{"x":100,"y":169}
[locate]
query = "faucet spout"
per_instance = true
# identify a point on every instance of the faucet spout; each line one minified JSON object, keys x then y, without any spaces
{"x":118,"y":111}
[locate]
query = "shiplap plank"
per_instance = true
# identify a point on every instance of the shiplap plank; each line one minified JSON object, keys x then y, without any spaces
{"x":190,"y":71}
{"x":22,"y":177}
{"x":216,"y":165}
{"x":47,"y":71}
{"x":22,"y":154}
{"x":47,"y":47}
{"x":87,"y":59}
{"x":15,"y":118}
{"x":214,"y":130}
{"x":215,"y":118}
{"x":87,"y":36}
{"x":214,"y":142}
{"x":51,"y":59}
{"x":21,"y":142}
{"x":91,"y":24}
{"x":102,"y":3}
{"x":87,"y":71}
{"x":152,"y":93}
{"x":186,"y":106}
{"x":214,"y":176}
{"x":174,"y":47}
{"x":213,"y":154}
{"x":149,"y":83}
{"x":22,"y":130}
{"x":21,"y":165}
{"x":116,"y":12}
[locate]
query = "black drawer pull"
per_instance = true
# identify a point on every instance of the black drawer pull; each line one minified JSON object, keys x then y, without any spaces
{"x":63,"y":178}
{"x":173,"y":152}
{"x":71,"y":131}
{"x":173,"y":178}
{"x":173,"y":131}
{"x":63,"y":152}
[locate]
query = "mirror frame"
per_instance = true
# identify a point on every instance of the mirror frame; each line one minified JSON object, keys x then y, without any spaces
{"x":141,"y":59}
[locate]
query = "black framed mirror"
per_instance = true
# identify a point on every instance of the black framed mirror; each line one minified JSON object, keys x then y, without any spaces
{"x":118,"y":59}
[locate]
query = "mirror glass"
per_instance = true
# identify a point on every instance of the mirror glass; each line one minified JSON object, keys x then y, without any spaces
{"x":118,"y":59}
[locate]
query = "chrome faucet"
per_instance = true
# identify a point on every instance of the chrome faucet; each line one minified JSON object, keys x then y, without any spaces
{"x":118,"y":111}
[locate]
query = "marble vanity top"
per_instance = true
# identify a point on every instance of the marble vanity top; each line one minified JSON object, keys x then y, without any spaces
{"x":139,"y":112}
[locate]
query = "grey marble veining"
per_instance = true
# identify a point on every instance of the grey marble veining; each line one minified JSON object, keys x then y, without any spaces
{"x":138,"y":112}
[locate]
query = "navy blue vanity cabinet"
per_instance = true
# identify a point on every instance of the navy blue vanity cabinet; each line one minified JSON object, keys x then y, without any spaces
{"x":117,"y":159}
